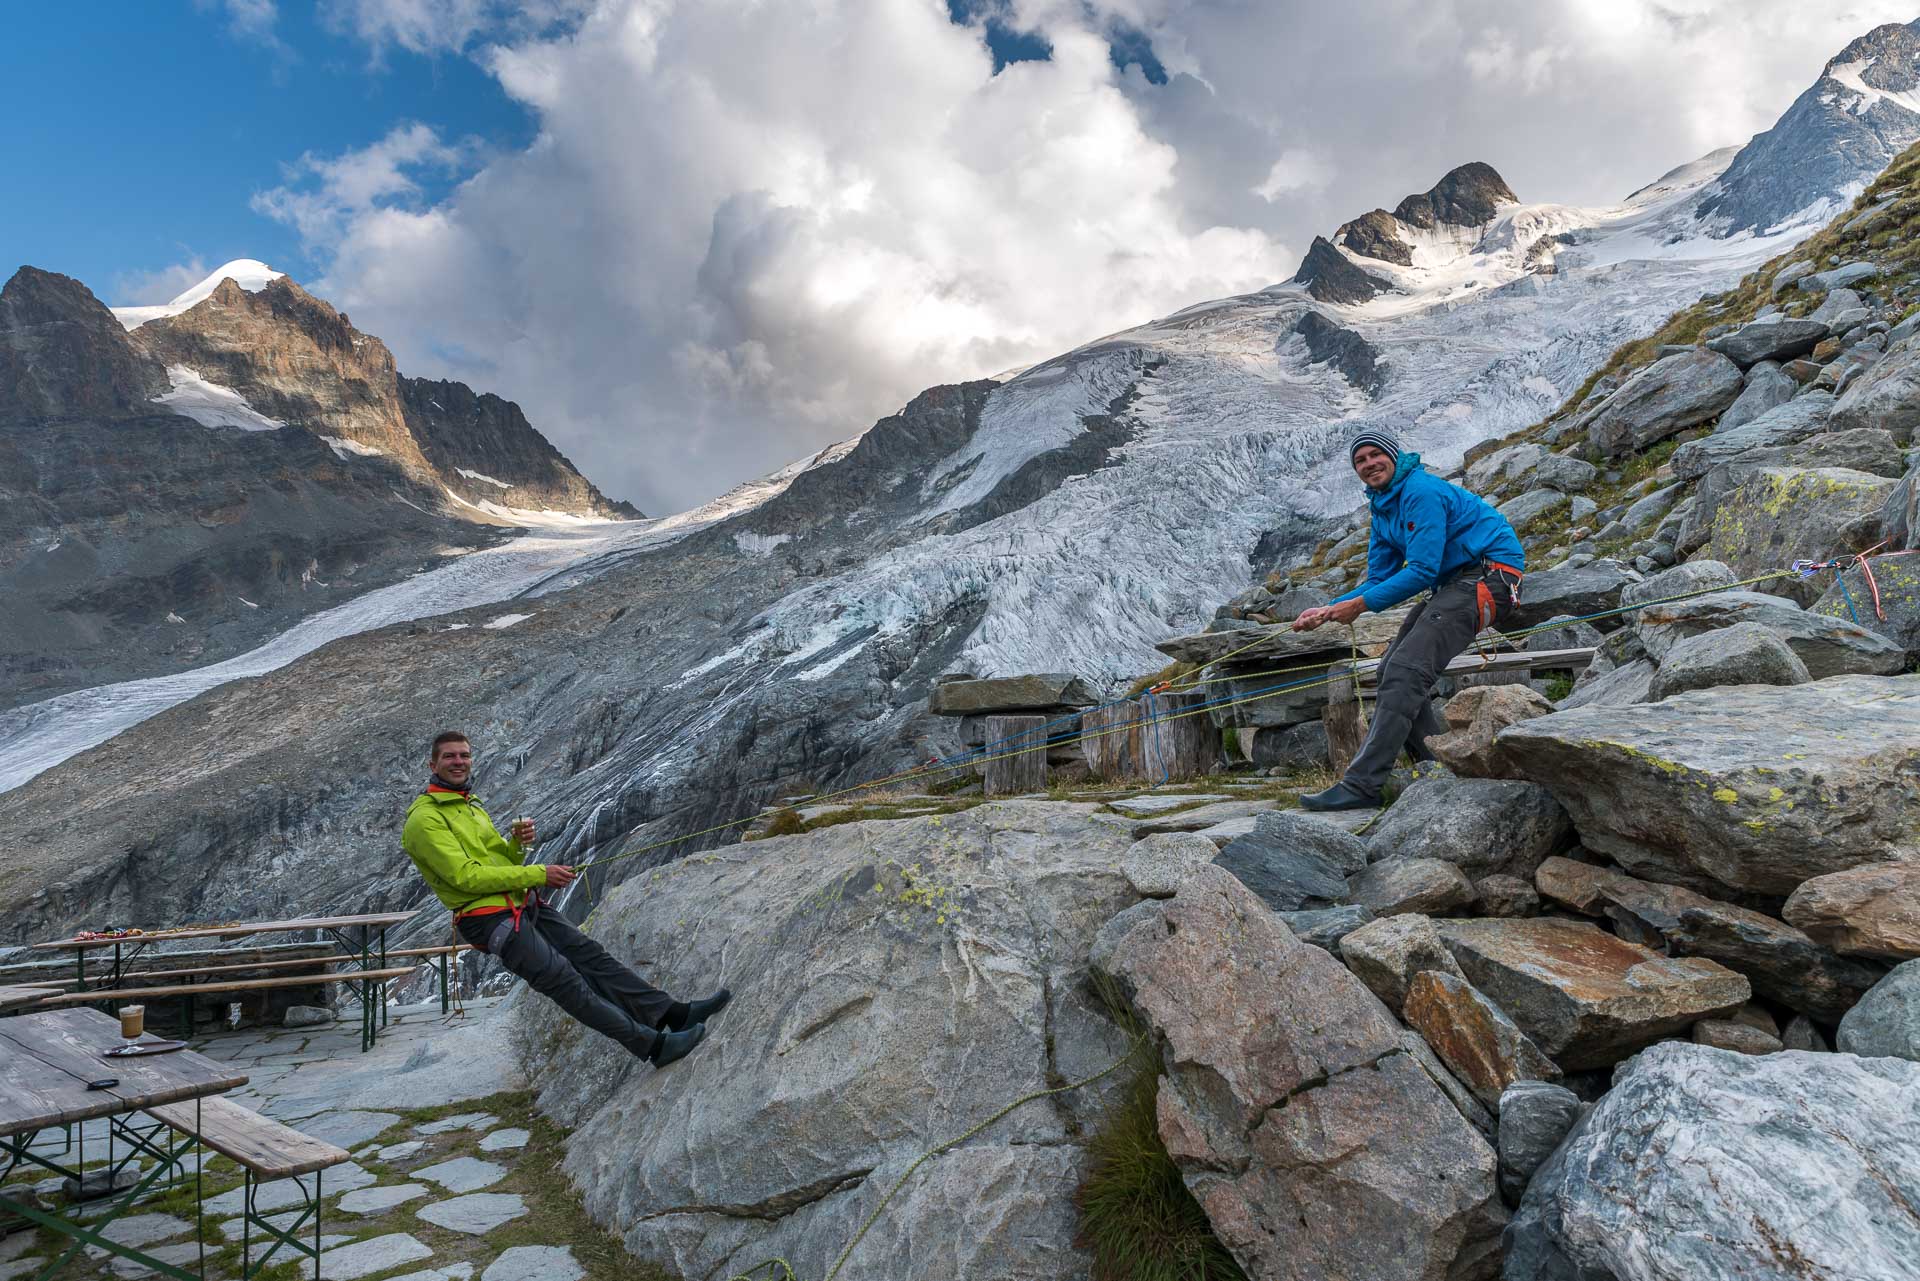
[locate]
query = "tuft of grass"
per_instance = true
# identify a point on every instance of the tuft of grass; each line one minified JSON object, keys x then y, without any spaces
{"x":786,"y":822}
{"x":1559,"y":685}
{"x":1137,"y":1217}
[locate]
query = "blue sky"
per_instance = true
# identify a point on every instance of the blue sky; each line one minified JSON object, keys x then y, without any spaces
{"x":156,"y":125}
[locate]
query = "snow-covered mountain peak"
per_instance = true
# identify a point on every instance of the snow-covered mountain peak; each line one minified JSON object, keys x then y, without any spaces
{"x":250,"y":274}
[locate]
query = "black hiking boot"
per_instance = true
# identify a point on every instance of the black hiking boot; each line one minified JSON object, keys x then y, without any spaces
{"x":686,"y":1013}
{"x":1339,"y":797}
{"x":669,"y":1046}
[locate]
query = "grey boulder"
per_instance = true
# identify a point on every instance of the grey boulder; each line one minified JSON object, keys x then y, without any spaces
{"x":1480,"y":825}
{"x":1386,"y":953}
{"x":1743,"y":654}
{"x":1782,"y":514}
{"x":1572,"y":589}
{"x":1327,"y":927}
{"x":1829,"y":646}
{"x":1766,"y":387}
{"x":1797,"y":1166}
{"x":1623,"y":686}
{"x":1887,"y":395}
{"x":1681,"y":580}
{"x":1866,"y":911}
{"x":1668,"y":396}
{"x":1785,"y":424}
{"x":1887,"y":605}
{"x":1534,"y":1117}
{"x":1752,"y":787}
{"x":1411,"y":885}
{"x":1774,"y":338}
{"x":1304,"y":833}
{"x":928,"y":970}
{"x":1886,"y":1023}
{"x":1311,"y":1114}
{"x":1287,"y":879}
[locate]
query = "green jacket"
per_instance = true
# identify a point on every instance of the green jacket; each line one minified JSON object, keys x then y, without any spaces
{"x":462,"y":858}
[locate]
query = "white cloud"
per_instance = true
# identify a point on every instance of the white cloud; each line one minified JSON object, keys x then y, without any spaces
{"x":1297,"y":169}
{"x":164,"y":284}
{"x":327,"y":196}
{"x":745,"y":228}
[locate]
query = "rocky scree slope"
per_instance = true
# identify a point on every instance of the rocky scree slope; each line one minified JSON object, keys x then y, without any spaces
{"x":178,"y":493}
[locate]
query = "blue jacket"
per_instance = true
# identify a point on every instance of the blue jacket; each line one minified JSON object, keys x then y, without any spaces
{"x":1424,"y":532}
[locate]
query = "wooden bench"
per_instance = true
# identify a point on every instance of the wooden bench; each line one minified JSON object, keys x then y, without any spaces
{"x":369,"y":1011}
{"x":266,"y":1151}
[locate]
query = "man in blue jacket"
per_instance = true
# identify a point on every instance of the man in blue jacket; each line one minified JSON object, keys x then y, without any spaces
{"x":1427,"y":535}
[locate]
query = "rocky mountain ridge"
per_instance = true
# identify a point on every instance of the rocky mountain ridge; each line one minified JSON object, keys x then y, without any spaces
{"x":182,"y":490}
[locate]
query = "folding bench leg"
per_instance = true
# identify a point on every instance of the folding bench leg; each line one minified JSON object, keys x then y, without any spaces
{"x":289,"y":1236}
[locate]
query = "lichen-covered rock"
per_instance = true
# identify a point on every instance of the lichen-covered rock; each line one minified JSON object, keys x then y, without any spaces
{"x":1534,"y":1117}
{"x":1473,"y":717}
{"x":1386,"y":953}
{"x":928,"y":970}
{"x":1472,"y":1036}
{"x":1798,"y":1166}
{"x":1743,"y":654}
{"x":1481,"y":825}
{"x":1400,"y":885}
{"x":1748,"y":786}
{"x":1886,"y":1023}
{"x":1784,"y":514}
{"x":1585,"y":997}
{"x":1865,"y":911}
{"x":1311,"y":1114}
{"x":1829,"y":646}
{"x":1781,"y":962}
{"x":1668,"y":396}
{"x":1895,"y":587}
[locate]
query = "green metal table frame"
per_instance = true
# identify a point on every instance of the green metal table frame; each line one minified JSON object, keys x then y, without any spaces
{"x":154,"y":1139}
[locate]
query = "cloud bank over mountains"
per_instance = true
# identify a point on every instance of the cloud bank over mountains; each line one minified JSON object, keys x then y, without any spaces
{"x":745,"y":230}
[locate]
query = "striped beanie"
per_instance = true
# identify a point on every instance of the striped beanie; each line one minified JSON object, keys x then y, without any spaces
{"x":1379,"y":440}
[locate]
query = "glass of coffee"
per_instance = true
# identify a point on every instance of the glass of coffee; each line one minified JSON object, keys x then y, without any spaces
{"x":133,"y":1023}
{"x":523,"y":830}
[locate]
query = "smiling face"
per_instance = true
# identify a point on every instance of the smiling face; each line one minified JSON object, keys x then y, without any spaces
{"x":1373,"y":465}
{"x":453,"y":761}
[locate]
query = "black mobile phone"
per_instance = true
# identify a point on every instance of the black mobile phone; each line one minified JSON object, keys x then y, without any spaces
{"x":104,"y":1083}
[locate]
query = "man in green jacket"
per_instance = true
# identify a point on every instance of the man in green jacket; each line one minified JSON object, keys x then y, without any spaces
{"x":497,"y":907}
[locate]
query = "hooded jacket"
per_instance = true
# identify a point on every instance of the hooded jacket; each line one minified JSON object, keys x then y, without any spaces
{"x":1424,"y":532}
{"x":464,"y":861}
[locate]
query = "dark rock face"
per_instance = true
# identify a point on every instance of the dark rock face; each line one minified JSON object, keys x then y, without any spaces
{"x":1329,"y":277}
{"x":63,"y":355}
{"x":1465,"y":198}
{"x":463,"y":431}
{"x":1374,"y":235}
{"x":1334,"y":344}
{"x":1831,"y":137}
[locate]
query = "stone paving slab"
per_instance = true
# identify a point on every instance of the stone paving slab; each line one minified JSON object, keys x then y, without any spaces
{"x":505,"y":1140}
{"x":463,"y":1174}
{"x":462,"y":1271}
{"x":380,"y":1199}
{"x":348,"y":1129}
{"x":376,"y":1254}
{"x":463,"y":1121}
{"x":282,"y":1193}
{"x":1146,"y":806}
{"x":535,"y":1263}
{"x":476,"y":1214}
{"x":396,"y":1151}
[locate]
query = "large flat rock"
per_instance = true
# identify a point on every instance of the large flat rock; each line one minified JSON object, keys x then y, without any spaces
{"x":1829,"y":646}
{"x":927,"y":971}
{"x":1010,"y":694}
{"x":1316,"y":1143}
{"x":1757,"y":788}
{"x":1585,"y":997}
{"x":1712,"y":1166}
{"x":1334,"y":641}
{"x":1782,"y":514}
{"x":1782,"y":963}
{"x":1865,"y":911}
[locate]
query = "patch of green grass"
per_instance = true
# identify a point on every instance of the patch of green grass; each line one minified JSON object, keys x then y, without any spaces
{"x":1559,"y":685}
{"x":786,"y":822}
{"x":1137,"y":1217}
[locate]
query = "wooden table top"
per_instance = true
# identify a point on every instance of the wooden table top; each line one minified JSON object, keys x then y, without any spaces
{"x":378,"y":920}
{"x":47,"y":1059}
{"x":17,"y":994}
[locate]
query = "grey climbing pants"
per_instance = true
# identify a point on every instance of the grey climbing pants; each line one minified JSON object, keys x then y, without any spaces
{"x":572,"y":970}
{"x":1437,"y":631}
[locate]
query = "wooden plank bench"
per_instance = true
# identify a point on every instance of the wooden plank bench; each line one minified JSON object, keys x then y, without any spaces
{"x":266,"y":1151}
{"x":369,"y":979}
